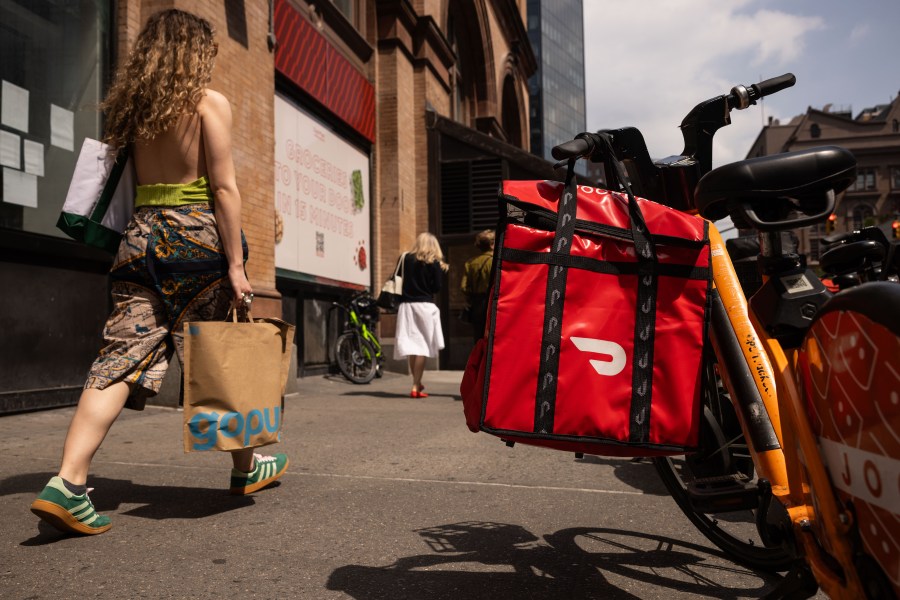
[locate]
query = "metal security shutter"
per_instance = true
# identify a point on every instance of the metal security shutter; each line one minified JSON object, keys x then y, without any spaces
{"x":469,"y":195}
{"x":487,"y":176}
{"x":455,"y":187}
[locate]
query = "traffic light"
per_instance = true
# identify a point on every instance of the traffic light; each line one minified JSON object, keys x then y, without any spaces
{"x":895,"y":227}
{"x":830,"y":223}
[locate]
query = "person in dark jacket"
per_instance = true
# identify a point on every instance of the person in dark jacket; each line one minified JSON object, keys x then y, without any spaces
{"x":419,"y":335}
{"x":476,"y":281}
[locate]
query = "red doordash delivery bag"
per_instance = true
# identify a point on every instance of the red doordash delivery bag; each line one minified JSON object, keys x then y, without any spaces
{"x":596,"y":324}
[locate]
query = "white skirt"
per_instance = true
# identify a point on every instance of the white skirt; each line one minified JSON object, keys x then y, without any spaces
{"x":418,"y":330}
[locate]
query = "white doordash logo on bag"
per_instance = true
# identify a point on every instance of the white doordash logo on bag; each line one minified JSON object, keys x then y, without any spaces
{"x":616,"y":353}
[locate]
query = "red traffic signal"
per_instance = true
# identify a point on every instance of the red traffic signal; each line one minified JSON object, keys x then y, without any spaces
{"x":830,"y":223}
{"x":895,"y":227}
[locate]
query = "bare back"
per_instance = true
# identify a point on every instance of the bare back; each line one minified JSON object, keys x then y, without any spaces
{"x":174,"y":156}
{"x":200,"y":145}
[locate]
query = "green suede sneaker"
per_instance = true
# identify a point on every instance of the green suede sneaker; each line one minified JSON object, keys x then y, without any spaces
{"x":267,"y":470}
{"x":68,"y":512}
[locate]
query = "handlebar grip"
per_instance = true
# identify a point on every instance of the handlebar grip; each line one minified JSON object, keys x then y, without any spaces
{"x":776,"y":84}
{"x":572,"y":149}
{"x":742,"y":97}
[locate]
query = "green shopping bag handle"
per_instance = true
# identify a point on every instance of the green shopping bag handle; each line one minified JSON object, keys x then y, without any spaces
{"x":112,"y":183}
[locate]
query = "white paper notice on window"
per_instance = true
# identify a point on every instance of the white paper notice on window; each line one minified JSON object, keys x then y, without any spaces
{"x":9,"y":150}
{"x":34,"y":158}
{"x":19,"y":188}
{"x":62,"y":127}
{"x":14,"y":109}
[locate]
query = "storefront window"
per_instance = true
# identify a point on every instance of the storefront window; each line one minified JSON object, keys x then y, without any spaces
{"x":53,"y":61}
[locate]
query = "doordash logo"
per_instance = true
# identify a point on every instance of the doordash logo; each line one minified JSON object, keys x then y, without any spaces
{"x":614,"y":351}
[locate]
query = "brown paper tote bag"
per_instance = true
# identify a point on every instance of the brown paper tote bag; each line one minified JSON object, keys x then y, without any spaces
{"x":234,"y":379}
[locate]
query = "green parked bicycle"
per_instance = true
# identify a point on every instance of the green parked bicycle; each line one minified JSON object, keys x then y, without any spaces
{"x":357,"y":349}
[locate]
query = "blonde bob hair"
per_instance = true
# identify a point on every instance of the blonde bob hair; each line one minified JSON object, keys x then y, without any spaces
{"x":427,"y":250}
{"x":163,"y":78}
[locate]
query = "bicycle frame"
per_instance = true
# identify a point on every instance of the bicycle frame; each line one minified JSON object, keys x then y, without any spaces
{"x":364,"y":330}
{"x":793,"y":466}
{"x":366,"y":333}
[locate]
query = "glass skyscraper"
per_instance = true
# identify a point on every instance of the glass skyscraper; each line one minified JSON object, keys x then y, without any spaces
{"x":556,"y":90}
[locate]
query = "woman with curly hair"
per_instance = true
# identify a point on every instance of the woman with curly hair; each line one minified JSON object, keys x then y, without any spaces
{"x":181,"y":257}
{"x":419,"y":334}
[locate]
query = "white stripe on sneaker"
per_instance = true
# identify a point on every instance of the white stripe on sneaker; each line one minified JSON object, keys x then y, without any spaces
{"x":84,"y":512}
{"x":79,"y":508}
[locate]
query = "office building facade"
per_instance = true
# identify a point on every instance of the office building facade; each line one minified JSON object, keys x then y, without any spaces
{"x":556,"y":90}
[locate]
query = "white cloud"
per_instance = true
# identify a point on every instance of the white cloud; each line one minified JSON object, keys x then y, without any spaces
{"x":859,"y":33}
{"x":649,"y":62}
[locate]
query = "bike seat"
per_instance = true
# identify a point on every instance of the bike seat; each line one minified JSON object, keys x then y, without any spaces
{"x":851,"y":257}
{"x":805,"y":176}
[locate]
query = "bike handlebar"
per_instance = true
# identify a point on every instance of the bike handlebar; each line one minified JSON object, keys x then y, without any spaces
{"x":742,"y":97}
{"x":698,"y":128}
{"x":572,"y":149}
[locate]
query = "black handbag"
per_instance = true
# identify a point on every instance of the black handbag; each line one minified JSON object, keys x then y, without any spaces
{"x":392,"y":290}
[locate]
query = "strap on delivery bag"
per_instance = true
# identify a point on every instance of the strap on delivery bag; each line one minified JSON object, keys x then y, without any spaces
{"x":597,"y":322}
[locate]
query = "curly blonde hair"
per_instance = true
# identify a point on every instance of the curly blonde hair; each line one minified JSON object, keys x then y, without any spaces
{"x":428,"y":250}
{"x":163,"y":78}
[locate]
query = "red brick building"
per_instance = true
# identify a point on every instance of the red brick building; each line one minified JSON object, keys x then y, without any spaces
{"x":357,"y":125}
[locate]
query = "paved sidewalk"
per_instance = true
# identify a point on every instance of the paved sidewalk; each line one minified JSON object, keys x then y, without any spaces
{"x":387,"y":497}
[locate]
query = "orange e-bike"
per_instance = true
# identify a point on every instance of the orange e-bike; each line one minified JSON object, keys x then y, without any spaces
{"x":798,"y":465}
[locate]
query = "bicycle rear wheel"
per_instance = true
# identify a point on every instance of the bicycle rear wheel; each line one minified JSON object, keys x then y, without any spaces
{"x":723,"y":453}
{"x":355,"y":357}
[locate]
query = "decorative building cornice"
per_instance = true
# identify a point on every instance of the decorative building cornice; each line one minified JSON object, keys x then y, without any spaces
{"x":491,"y":126}
{"x":516,"y":33}
{"x":418,"y":37}
{"x":432,"y":45}
{"x":396,"y":21}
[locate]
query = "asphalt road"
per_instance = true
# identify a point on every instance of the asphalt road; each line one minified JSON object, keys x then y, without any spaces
{"x":387,"y":497}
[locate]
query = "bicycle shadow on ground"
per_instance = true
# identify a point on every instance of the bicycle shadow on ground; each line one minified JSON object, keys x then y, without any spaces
{"x":638,"y":473}
{"x":154,"y":502}
{"x":478,"y":560}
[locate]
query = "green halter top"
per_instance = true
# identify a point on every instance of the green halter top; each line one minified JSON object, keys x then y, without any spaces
{"x":173,"y":194}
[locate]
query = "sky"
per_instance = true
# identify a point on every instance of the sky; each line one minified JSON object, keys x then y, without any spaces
{"x":648,"y":62}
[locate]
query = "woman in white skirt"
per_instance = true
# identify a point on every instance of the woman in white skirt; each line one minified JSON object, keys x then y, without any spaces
{"x":419,"y":335}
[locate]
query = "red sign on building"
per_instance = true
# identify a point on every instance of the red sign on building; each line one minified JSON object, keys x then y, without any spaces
{"x":310,"y":61}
